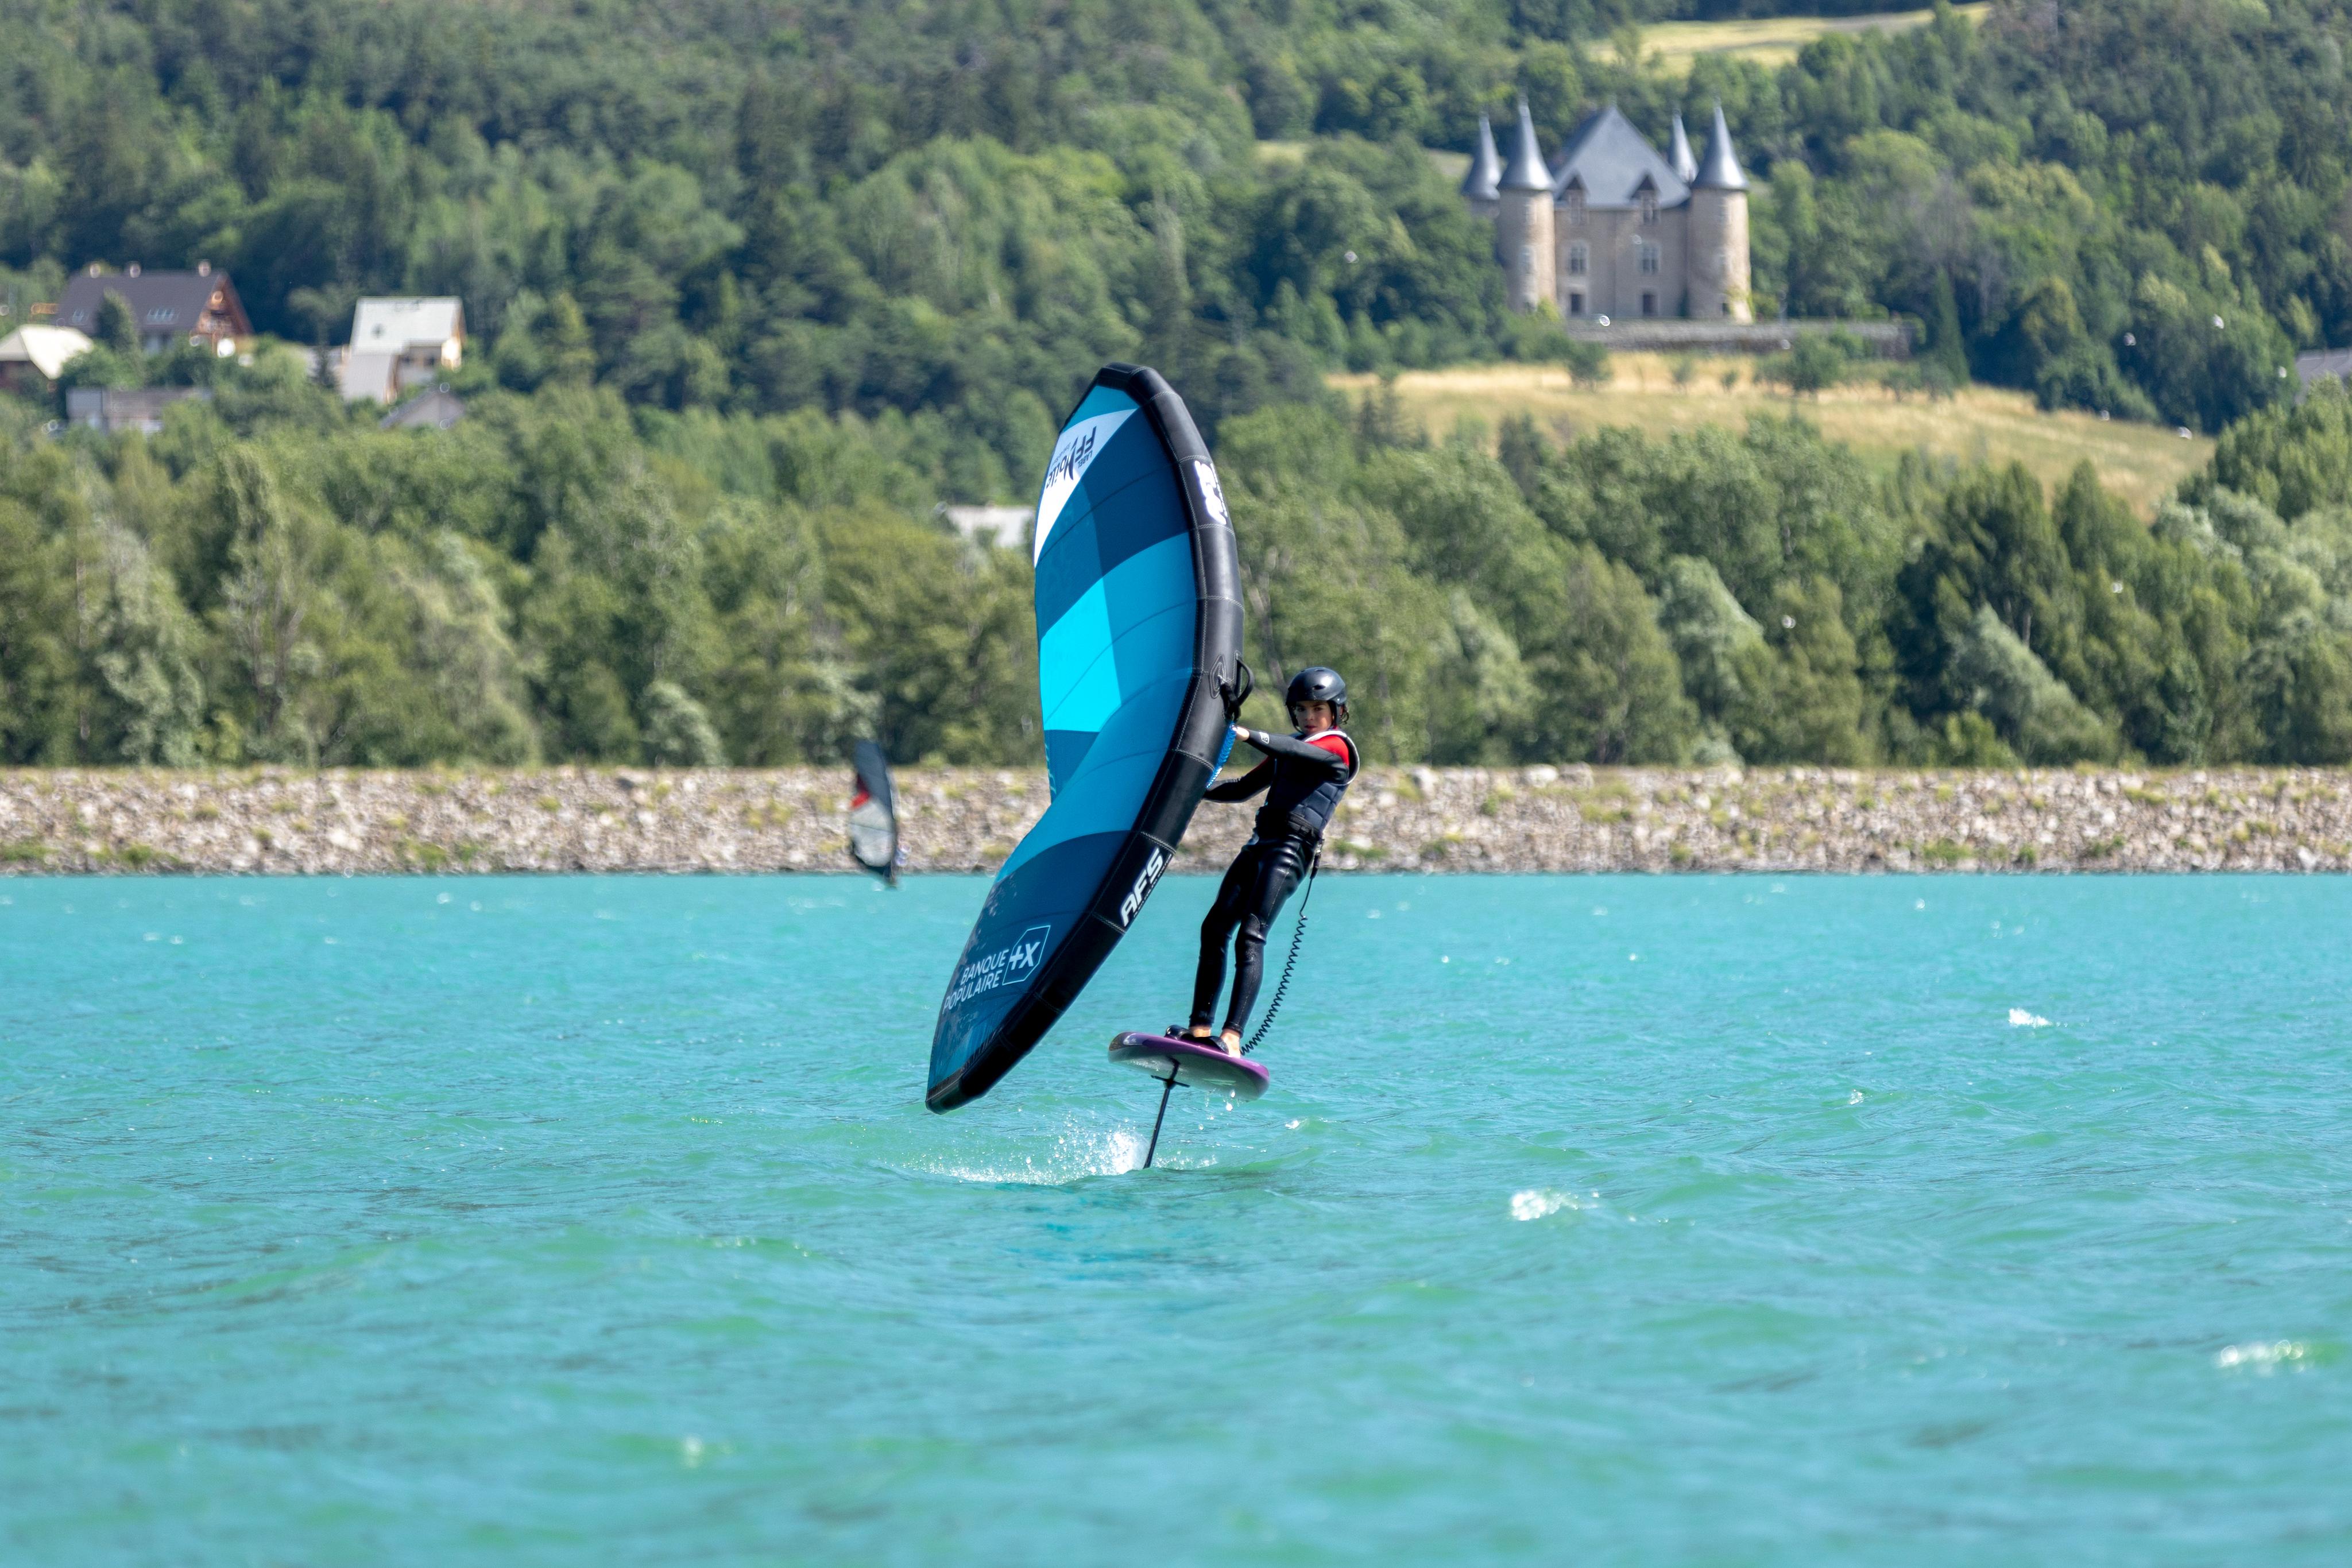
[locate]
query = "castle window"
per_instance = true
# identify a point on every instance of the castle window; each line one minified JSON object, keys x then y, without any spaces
{"x":1649,"y":253}
{"x":1574,"y":203}
{"x":1580,"y":259}
{"x":1575,"y":303}
{"x":1649,"y":206}
{"x":1649,"y":305}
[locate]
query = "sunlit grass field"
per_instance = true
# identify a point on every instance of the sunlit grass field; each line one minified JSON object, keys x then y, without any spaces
{"x":1767,"y":40}
{"x":2142,"y":462}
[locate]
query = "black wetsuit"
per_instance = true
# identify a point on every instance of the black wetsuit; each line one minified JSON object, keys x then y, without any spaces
{"x":1303,"y":782}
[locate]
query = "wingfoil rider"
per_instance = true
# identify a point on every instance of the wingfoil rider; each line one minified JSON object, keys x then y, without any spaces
{"x":1303,"y":775}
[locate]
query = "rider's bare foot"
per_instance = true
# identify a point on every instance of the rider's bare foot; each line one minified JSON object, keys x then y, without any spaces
{"x":1231,"y":1042}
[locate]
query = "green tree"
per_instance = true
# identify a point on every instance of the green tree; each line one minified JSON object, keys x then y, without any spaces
{"x":1481,"y":699}
{"x":37,"y":695}
{"x":146,"y":696}
{"x":570,"y":358}
{"x":1607,"y":689}
{"x":786,"y":689}
{"x":1947,"y":343}
{"x":472,"y":698}
{"x":113,"y":359}
{"x":1994,"y":672}
{"x":1522,"y":451}
{"x":944,"y":633}
{"x":677,"y":731}
{"x":117,"y":329}
{"x":1811,"y":705}
{"x":1994,"y":546}
{"x":1587,"y":363}
{"x":1816,"y":364}
{"x":270,"y":662}
{"x":1726,"y":665}
{"x":2292,"y":457}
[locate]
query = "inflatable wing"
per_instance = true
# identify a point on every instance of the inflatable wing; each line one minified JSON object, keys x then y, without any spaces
{"x":1139,"y":657}
{"x":874,"y":814}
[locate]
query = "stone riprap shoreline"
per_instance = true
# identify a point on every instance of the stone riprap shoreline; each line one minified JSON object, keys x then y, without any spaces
{"x":279,"y":821}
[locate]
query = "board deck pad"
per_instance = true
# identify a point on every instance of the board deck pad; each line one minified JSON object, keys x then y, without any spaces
{"x":1193,"y":1063}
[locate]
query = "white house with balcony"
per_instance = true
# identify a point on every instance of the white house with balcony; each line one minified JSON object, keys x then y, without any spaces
{"x":397,"y":344}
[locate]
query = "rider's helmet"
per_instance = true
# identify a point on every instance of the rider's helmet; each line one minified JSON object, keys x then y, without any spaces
{"x":1318,"y":684}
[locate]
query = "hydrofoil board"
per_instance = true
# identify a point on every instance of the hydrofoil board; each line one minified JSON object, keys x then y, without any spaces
{"x":1196,"y":1064}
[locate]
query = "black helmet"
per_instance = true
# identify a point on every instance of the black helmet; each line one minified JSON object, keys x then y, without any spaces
{"x":1317,"y":684}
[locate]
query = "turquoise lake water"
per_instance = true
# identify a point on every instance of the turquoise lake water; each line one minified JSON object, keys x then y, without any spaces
{"x":1726,"y":1221}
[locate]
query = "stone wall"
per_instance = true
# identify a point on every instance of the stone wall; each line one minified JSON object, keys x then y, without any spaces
{"x":966,"y":820}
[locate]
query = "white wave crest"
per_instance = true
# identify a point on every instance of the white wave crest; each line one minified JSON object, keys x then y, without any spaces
{"x":1539,"y":1203}
{"x":1076,"y":1153}
{"x":2020,"y":1019}
{"x":2265,"y":1358}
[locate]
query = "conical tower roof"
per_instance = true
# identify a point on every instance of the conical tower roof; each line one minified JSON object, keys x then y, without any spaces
{"x":1685,"y":165}
{"x":1528,"y":172}
{"x":1485,"y":165}
{"x":1722,"y":171}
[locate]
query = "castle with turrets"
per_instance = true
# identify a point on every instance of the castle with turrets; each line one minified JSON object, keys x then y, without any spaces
{"x":1613,"y":230}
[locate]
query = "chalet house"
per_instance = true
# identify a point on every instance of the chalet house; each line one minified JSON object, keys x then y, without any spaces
{"x":111,"y":410}
{"x":397,"y":344}
{"x":32,"y":358}
{"x":199,"y":308}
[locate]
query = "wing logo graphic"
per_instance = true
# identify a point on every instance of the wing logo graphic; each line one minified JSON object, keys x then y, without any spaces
{"x":1145,"y":881}
{"x":1010,"y":965}
{"x":1071,"y":460}
{"x":1213,"y":494}
{"x":1080,"y":445}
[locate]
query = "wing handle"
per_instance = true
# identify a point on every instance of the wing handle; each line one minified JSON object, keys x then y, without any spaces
{"x":1236,"y":694}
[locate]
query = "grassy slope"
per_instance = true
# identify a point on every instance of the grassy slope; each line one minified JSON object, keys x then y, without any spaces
{"x":1769,"y":40}
{"x":2142,"y":462}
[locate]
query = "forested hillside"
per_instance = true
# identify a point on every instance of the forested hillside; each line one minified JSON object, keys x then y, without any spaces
{"x":755,"y":287}
{"x":961,"y":208}
{"x":556,"y":579}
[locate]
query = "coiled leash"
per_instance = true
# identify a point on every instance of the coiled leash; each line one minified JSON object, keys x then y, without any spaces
{"x":1297,"y":935}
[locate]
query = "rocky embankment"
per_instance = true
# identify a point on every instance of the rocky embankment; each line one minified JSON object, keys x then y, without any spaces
{"x":270,"y":821}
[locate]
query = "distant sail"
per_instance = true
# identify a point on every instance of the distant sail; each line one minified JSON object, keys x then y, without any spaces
{"x":874,"y":814}
{"x":1138,"y":655}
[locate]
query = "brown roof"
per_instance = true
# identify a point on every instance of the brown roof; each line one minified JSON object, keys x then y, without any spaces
{"x":161,"y":302}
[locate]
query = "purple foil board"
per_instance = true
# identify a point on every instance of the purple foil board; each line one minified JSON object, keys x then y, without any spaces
{"x":1192,"y":1063}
